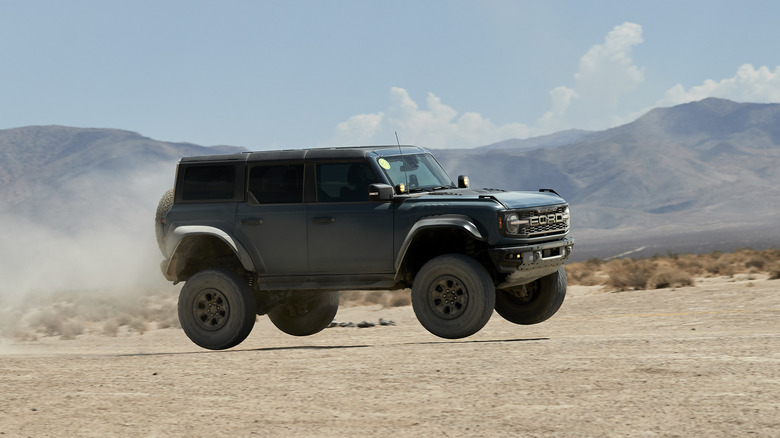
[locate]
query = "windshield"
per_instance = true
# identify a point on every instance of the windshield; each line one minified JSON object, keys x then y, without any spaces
{"x":419,"y":172}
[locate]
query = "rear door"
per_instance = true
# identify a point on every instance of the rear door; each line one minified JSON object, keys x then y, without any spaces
{"x":273,"y":221}
{"x":348,"y":234}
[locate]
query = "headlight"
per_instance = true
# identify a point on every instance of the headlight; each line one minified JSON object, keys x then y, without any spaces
{"x":514,"y":223}
{"x":566,"y":217}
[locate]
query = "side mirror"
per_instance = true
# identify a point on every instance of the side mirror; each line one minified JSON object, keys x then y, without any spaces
{"x":463,"y":182}
{"x":380,"y":192}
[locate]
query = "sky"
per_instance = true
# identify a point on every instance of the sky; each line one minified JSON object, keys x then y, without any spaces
{"x":441,"y":74}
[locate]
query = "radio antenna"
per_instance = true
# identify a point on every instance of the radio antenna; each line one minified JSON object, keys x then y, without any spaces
{"x":403,"y":162}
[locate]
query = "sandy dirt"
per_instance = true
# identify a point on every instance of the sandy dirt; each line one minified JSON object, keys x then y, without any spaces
{"x":696,"y":361}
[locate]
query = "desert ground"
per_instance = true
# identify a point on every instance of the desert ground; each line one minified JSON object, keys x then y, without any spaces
{"x":690,"y":361}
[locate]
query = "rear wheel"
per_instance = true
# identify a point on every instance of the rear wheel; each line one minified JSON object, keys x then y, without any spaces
{"x":305,"y":313}
{"x":453,"y":296}
{"x":216,"y":309}
{"x":535,"y":302}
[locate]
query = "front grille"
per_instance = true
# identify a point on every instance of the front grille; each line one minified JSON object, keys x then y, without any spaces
{"x":543,"y":229}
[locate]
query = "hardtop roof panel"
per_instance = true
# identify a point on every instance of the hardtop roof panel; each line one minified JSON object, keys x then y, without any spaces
{"x":332,"y":153}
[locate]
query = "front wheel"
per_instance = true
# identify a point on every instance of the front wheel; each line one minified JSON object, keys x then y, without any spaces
{"x":305,"y":313}
{"x":216,"y":309}
{"x":453,"y":296}
{"x":535,"y":302}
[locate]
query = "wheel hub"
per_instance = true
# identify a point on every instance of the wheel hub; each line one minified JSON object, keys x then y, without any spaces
{"x":211,"y":309}
{"x":448,"y":297}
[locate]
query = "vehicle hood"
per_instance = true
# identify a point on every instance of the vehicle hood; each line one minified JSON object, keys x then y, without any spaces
{"x":517,"y":199}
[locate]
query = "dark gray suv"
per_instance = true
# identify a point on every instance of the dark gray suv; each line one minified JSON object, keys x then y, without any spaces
{"x":281,"y":232}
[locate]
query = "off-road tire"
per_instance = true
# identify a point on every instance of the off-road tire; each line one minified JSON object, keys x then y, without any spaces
{"x":544,"y":298}
{"x":305,"y":313}
{"x":216,"y":309}
{"x":165,"y":204}
{"x":453,"y":296}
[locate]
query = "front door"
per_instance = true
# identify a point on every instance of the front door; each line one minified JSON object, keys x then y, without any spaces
{"x":348,"y":234}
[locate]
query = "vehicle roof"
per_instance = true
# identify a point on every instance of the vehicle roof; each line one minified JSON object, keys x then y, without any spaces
{"x":312,"y":153}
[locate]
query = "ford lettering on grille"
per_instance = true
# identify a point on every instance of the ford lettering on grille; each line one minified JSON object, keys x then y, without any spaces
{"x":548,"y":219}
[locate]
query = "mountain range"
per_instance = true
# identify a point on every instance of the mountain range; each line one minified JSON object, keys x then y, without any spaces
{"x":693,"y":177}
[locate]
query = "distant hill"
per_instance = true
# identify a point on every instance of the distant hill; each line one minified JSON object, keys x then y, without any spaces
{"x":545,"y":141}
{"x":48,"y":172}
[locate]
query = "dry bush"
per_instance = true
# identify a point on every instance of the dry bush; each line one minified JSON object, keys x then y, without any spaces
{"x":71,"y":329}
{"x":388,"y":298}
{"x":774,"y":272}
{"x":25,"y":335}
{"x":666,"y":276}
{"x":138,"y":325}
{"x":48,"y":322}
{"x":69,"y":314}
{"x":584,"y":273}
{"x":673,"y":270}
{"x":111,"y":327}
{"x":691,"y":263}
{"x":398,"y":298}
{"x":625,"y":274}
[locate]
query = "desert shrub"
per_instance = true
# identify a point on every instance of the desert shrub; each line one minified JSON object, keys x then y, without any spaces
{"x":774,"y":272}
{"x":25,"y":335}
{"x":398,"y":298}
{"x":48,"y":322}
{"x":71,"y":329}
{"x":627,"y":274}
{"x":390,"y":298}
{"x":691,"y":263}
{"x":138,"y":325}
{"x":666,"y":276}
{"x":721,"y":266}
{"x":585,"y":274}
{"x":757,"y":263}
{"x":111,"y":327}
{"x":71,"y":313}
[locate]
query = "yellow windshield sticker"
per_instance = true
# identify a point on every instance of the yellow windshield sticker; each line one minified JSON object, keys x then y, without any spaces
{"x":385,"y":165}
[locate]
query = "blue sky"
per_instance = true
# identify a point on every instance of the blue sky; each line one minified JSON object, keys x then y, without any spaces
{"x":273,"y":74}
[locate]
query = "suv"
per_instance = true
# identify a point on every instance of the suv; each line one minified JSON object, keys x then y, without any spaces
{"x":281,"y":232}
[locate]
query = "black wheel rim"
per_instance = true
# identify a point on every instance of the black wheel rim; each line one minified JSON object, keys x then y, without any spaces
{"x":211,"y":309}
{"x":448,"y":297}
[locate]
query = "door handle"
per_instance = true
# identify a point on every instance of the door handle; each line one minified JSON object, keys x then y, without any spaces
{"x":324,"y":220}
{"x":252,"y":221}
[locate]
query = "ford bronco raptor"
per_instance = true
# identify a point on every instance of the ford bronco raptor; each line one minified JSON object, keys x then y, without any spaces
{"x":281,"y":232}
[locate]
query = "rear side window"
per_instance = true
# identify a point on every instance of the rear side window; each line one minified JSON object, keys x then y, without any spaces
{"x":209,"y":183}
{"x":277,"y":184}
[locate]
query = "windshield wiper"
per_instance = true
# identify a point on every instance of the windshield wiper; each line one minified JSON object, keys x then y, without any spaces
{"x":442,"y":188}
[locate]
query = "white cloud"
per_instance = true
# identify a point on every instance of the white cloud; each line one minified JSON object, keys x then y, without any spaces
{"x":359,"y":129}
{"x":747,"y":85}
{"x":436,"y":126}
{"x":608,"y":68}
{"x":606,"y":74}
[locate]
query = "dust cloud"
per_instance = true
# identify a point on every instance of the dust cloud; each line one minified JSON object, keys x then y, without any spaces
{"x":84,"y":257}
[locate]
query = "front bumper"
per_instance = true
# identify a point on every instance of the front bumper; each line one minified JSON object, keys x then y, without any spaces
{"x":527,"y":263}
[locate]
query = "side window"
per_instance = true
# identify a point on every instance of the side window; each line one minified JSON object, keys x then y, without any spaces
{"x":209,"y":183}
{"x":277,"y":184}
{"x":344,"y":182}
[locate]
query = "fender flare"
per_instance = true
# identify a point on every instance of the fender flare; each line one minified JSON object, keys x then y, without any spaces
{"x":179,"y":235}
{"x":445,"y":221}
